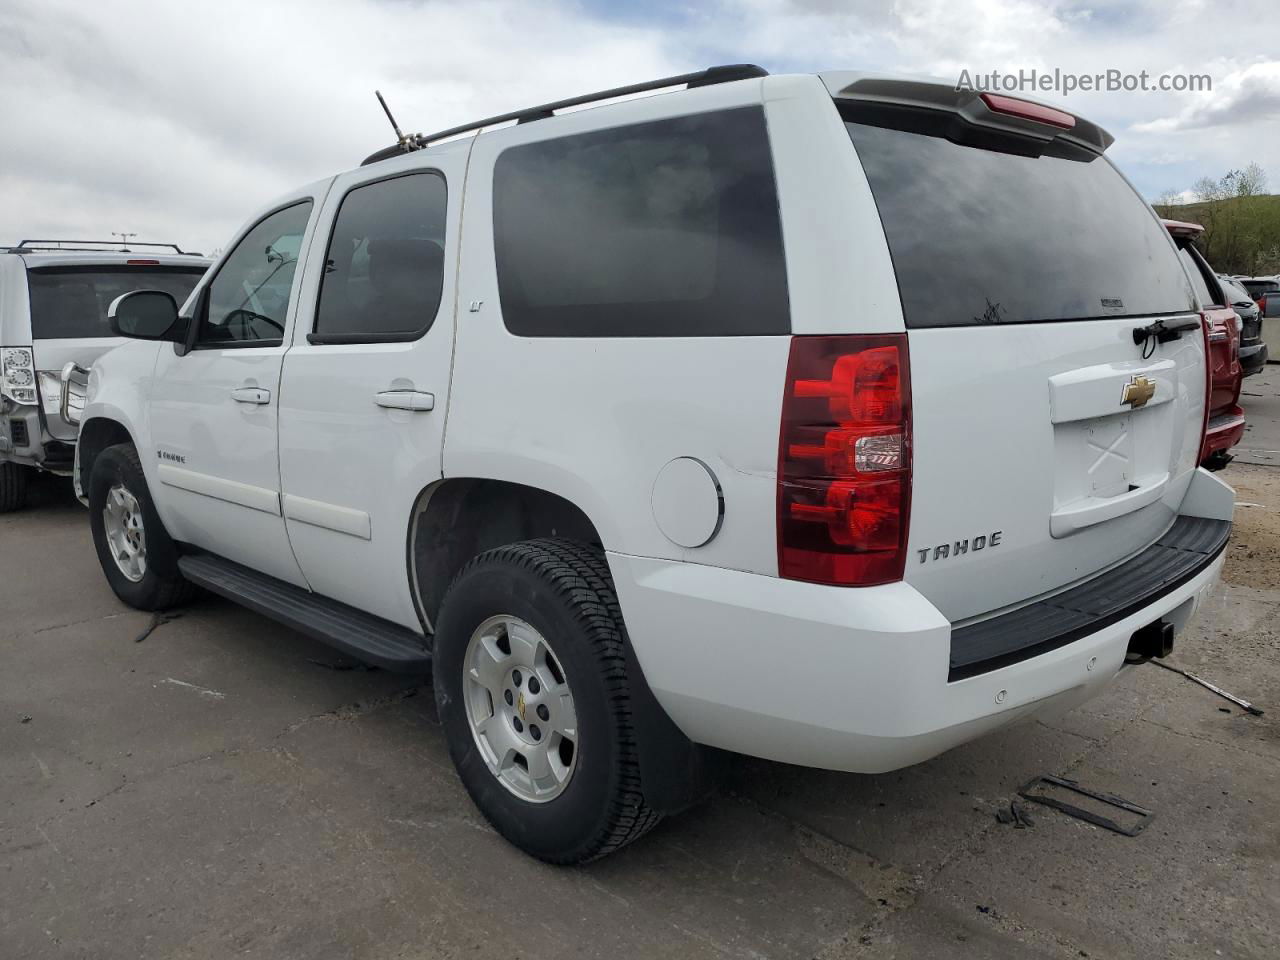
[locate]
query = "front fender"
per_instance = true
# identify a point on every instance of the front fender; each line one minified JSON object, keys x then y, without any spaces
{"x":117,"y":394}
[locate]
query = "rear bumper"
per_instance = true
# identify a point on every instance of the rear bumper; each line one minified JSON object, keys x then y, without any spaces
{"x":856,"y":679}
{"x":1253,"y":357}
{"x":1225,"y":430}
{"x":24,"y":440}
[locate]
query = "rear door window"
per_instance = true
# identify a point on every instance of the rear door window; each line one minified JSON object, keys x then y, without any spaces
{"x":981,"y":236}
{"x":384,"y":269}
{"x":663,"y":229}
{"x":72,"y":301}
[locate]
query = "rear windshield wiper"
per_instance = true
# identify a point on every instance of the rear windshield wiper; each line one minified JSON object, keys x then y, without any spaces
{"x":1161,"y":332}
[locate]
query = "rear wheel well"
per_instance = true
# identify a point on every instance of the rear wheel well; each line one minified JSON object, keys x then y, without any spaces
{"x":95,"y":436}
{"x":456,"y":520}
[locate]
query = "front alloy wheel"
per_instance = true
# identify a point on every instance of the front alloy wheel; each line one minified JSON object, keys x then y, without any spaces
{"x":122,"y":524}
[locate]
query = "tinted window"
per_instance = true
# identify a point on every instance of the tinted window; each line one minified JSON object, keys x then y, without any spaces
{"x":658,"y":229}
{"x":73,"y":301}
{"x":1257,"y":288}
{"x":248,"y":301}
{"x":1204,"y":296}
{"x":1235,"y":293}
{"x":980,"y":236}
{"x":385,"y":263}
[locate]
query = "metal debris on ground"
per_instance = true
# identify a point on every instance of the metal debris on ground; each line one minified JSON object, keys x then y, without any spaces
{"x":25,"y":718}
{"x":157,"y":620}
{"x":1243,"y":704}
{"x":1015,"y":813}
{"x":1080,"y":813}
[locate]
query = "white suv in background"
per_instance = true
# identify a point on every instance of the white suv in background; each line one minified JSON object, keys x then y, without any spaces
{"x":830,"y":419}
{"x":54,"y":296}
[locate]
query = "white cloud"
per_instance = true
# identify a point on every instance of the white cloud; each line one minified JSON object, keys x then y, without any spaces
{"x":1243,"y":97}
{"x":178,"y":120}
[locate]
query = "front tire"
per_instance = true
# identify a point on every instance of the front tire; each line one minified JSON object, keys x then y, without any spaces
{"x":137,"y":555}
{"x":532,"y":688}
{"x":13,"y":486}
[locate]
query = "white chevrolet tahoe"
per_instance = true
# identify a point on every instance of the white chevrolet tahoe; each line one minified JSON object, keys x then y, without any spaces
{"x":54,"y":296}
{"x":830,"y":419}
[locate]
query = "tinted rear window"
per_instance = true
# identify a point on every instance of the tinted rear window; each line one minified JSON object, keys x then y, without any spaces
{"x":72,"y":301}
{"x":980,"y":236}
{"x":664,"y":229}
{"x":1257,"y":288}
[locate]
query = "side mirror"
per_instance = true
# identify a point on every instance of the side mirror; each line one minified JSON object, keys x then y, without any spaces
{"x":1272,"y":308}
{"x":145,"y":315}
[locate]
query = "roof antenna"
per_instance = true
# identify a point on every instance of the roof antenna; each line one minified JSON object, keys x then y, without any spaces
{"x":407,"y":142}
{"x":124,"y":239}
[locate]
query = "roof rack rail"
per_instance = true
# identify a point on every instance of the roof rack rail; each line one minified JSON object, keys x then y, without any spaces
{"x":702,"y":78}
{"x":78,"y":246}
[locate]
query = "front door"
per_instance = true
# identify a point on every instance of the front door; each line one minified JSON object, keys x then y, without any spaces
{"x":365,"y":386}
{"x":214,"y":409}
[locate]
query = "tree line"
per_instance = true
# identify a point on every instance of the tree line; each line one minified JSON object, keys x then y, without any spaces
{"x":1241,"y":220}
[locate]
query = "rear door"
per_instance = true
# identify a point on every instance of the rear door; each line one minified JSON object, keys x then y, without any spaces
{"x":365,"y":387}
{"x":1047,"y":443}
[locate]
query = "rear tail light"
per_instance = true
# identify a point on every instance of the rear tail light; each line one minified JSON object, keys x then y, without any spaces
{"x":844,"y":460}
{"x":17,"y":374}
{"x":1208,"y":387}
{"x":143,"y":263}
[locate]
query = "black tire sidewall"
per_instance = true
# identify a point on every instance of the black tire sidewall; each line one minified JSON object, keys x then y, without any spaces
{"x":120,"y":465}
{"x":565,"y":828}
{"x":13,"y":486}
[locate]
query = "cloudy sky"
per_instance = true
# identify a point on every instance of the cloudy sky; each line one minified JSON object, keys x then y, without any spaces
{"x":177,"y":120}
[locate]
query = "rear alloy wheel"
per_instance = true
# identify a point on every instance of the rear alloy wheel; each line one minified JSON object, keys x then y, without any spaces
{"x":529,"y":666}
{"x":520,"y":709}
{"x":13,"y":486}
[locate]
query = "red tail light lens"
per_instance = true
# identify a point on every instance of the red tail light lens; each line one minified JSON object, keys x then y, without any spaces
{"x":1028,"y":110}
{"x":844,"y":460}
{"x":1208,"y":387}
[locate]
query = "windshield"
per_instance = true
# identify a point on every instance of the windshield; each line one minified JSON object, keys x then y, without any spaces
{"x":72,"y":301}
{"x":983,"y":236}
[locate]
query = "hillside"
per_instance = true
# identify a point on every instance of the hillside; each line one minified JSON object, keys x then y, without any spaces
{"x":1242,"y":234}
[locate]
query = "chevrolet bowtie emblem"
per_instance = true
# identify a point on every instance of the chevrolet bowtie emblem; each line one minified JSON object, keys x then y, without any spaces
{"x":520,"y":705}
{"x":1138,"y":391}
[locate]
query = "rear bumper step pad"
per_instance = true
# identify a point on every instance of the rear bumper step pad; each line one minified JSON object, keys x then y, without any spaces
{"x":1190,"y":545}
{"x":362,"y":635}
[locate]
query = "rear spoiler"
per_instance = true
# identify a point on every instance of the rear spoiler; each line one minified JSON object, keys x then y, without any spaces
{"x":990,"y":111}
{"x":1182,"y":228}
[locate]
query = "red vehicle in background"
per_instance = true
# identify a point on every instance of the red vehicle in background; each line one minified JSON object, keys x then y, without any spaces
{"x":1226,"y":417}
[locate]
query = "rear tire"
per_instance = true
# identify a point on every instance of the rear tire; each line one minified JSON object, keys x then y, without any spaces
{"x":138,"y":557}
{"x":13,"y":486}
{"x":557,"y":597}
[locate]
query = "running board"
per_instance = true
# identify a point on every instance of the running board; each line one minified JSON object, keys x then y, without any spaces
{"x":362,"y":635}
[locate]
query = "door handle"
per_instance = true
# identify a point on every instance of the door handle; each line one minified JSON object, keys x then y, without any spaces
{"x":405,"y":400}
{"x":251,"y":395}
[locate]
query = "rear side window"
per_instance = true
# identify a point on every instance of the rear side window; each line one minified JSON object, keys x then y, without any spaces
{"x":664,"y":229}
{"x":385,"y":263}
{"x":980,"y":236}
{"x":72,"y":301}
{"x":1199,"y":283}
